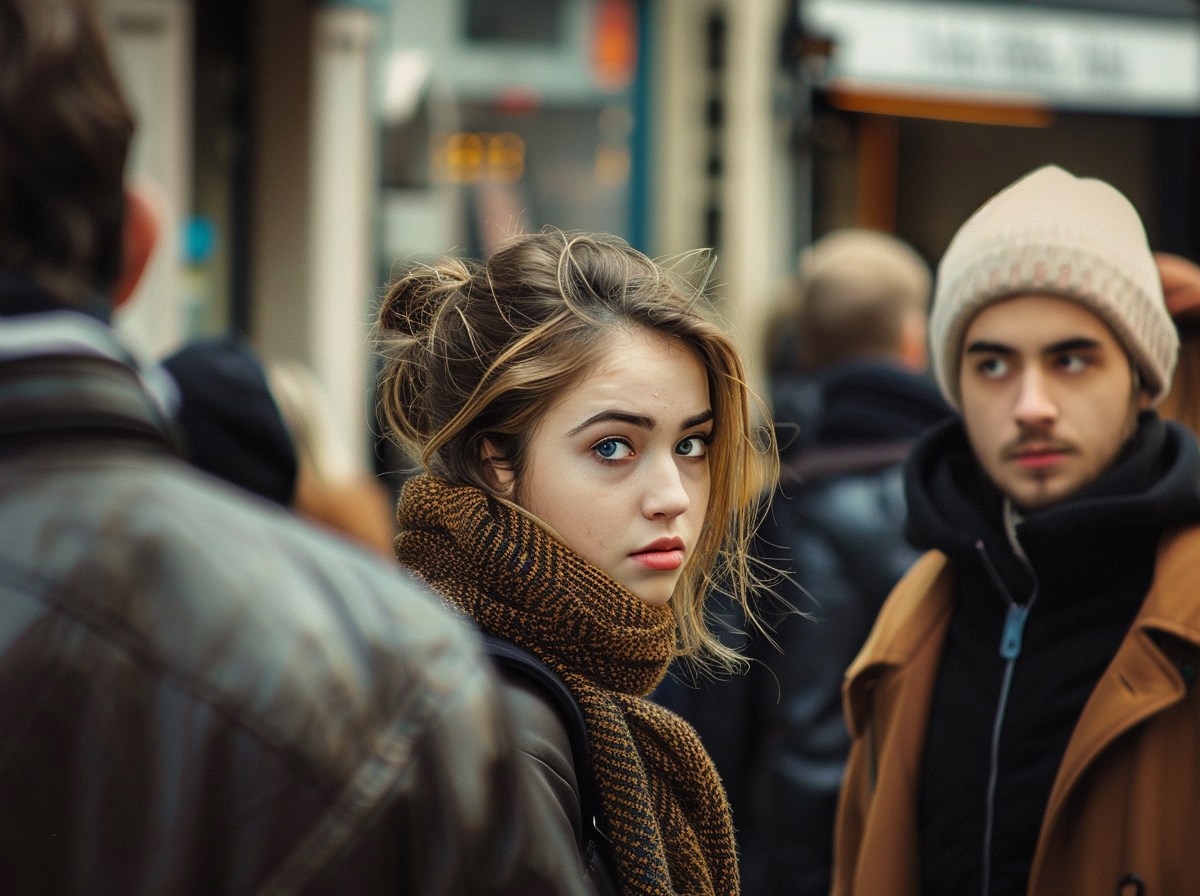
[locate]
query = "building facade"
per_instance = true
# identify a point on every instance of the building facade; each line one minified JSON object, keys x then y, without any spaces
{"x":306,"y":150}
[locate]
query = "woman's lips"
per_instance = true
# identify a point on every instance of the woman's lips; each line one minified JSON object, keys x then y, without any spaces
{"x":662,"y":555}
{"x":660,"y":561}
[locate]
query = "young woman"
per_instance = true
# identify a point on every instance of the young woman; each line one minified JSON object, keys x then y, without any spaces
{"x":590,"y":469}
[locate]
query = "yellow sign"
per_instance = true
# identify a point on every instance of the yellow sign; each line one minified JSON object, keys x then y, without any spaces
{"x":469,"y":157}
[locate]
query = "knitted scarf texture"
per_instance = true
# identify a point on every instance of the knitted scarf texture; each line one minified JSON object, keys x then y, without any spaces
{"x":664,"y":806}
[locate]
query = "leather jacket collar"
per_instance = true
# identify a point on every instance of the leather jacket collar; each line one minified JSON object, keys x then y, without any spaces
{"x":64,"y":374}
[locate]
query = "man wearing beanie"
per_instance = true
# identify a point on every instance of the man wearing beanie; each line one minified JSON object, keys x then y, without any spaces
{"x":1025,"y":713}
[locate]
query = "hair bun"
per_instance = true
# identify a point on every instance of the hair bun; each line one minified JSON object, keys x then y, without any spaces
{"x":412,"y":303}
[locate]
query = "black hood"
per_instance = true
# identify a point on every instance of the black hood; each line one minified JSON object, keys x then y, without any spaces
{"x":858,"y":402}
{"x":953,"y":506}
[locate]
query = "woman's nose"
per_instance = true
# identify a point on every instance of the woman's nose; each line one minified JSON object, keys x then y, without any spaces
{"x":666,"y":494}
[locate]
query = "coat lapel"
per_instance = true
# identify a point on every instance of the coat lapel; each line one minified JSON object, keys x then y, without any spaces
{"x":1143,"y":679}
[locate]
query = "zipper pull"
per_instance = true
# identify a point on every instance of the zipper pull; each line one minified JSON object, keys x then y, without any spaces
{"x":1014,"y":627}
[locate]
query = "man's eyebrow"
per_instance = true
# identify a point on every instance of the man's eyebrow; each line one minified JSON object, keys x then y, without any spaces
{"x":982,"y":347}
{"x":639,"y":420}
{"x":1074,"y":344}
{"x":1078,"y":343}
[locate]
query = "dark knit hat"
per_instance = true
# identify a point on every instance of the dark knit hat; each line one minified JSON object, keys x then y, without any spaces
{"x":1052,"y":233}
{"x":228,"y":418}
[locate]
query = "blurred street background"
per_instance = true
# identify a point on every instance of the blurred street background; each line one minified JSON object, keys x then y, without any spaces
{"x":305,"y":151}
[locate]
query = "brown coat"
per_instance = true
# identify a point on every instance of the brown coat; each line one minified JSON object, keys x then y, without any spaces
{"x":1126,"y":800}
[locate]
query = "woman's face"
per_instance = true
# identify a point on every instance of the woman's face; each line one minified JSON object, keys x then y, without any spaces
{"x":618,"y":467}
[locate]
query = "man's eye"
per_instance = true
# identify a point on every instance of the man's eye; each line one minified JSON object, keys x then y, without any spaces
{"x":1072,"y":363}
{"x":993,"y":367}
{"x":612,"y":449}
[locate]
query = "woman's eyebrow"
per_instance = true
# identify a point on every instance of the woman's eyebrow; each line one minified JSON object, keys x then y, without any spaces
{"x":639,"y":420}
{"x":642,"y":421}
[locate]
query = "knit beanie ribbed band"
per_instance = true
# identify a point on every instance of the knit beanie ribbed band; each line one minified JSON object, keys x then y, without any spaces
{"x":1052,"y":233}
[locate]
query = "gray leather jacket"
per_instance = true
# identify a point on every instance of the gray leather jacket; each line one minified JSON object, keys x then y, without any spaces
{"x":200,"y":694}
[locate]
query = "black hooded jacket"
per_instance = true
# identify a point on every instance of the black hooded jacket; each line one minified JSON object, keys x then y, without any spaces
{"x":1029,"y":637}
{"x":835,"y":526}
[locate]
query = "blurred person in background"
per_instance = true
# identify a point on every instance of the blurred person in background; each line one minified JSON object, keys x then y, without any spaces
{"x":589,"y":467}
{"x":849,"y":395}
{"x":1025,"y":713}
{"x":1181,"y":287}
{"x":332,"y":490}
{"x":227,"y":419}
{"x":200,"y":694}
{"x":265,"y":427}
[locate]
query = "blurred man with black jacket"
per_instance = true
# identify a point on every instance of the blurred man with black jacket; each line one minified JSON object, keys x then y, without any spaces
{"x":850,"y":395}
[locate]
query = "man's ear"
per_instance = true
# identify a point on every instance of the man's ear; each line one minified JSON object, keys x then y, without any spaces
{"x":143,"y":224}
{"x":496,"y":469}
{"x":1143,"y":397}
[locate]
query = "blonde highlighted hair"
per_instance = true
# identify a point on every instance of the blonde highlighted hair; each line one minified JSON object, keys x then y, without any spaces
{"x":476,"y":351}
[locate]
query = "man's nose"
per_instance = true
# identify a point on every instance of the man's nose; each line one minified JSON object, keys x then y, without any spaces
{"x":1035,"y":403}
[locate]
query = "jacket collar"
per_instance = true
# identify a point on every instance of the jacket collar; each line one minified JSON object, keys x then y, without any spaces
{"x":1152,"y":670}
{"x":1170,"y":608}
{"x":1072,"y":547}
{"x":1166,"y":629}
{"x":64,"y":374}
{"x":912,"y":622}
{"x":20,"y":295}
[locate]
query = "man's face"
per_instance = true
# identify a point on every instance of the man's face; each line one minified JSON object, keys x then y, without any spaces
{"x":1048,"y":397}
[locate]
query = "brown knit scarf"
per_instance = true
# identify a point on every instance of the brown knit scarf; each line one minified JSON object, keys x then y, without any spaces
{"x":665,"y":808}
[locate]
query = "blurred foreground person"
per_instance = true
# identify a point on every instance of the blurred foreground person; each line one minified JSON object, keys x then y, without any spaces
{"x":589,"y":462}
{"x":1025,"y":713}
{"x":199,"y":694}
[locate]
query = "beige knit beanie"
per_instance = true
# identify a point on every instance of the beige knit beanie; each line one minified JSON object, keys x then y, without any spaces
{"x":1052,"y":233}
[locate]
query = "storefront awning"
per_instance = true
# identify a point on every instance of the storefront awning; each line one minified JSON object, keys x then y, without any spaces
{"x":1105,"y":56}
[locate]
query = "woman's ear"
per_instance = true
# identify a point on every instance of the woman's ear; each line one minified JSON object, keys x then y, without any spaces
{"x":496,"y":469}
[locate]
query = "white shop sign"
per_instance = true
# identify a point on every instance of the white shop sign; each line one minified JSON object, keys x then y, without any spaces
{"x":1064,"y":58}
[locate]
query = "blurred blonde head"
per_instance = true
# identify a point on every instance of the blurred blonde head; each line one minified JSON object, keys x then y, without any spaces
{"x":332,"y":487}
{"x":859,"y":294}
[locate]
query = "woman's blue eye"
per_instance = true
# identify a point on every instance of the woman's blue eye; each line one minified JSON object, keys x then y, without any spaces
{"x":693,"y":446}
{"x":612,"y":449}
